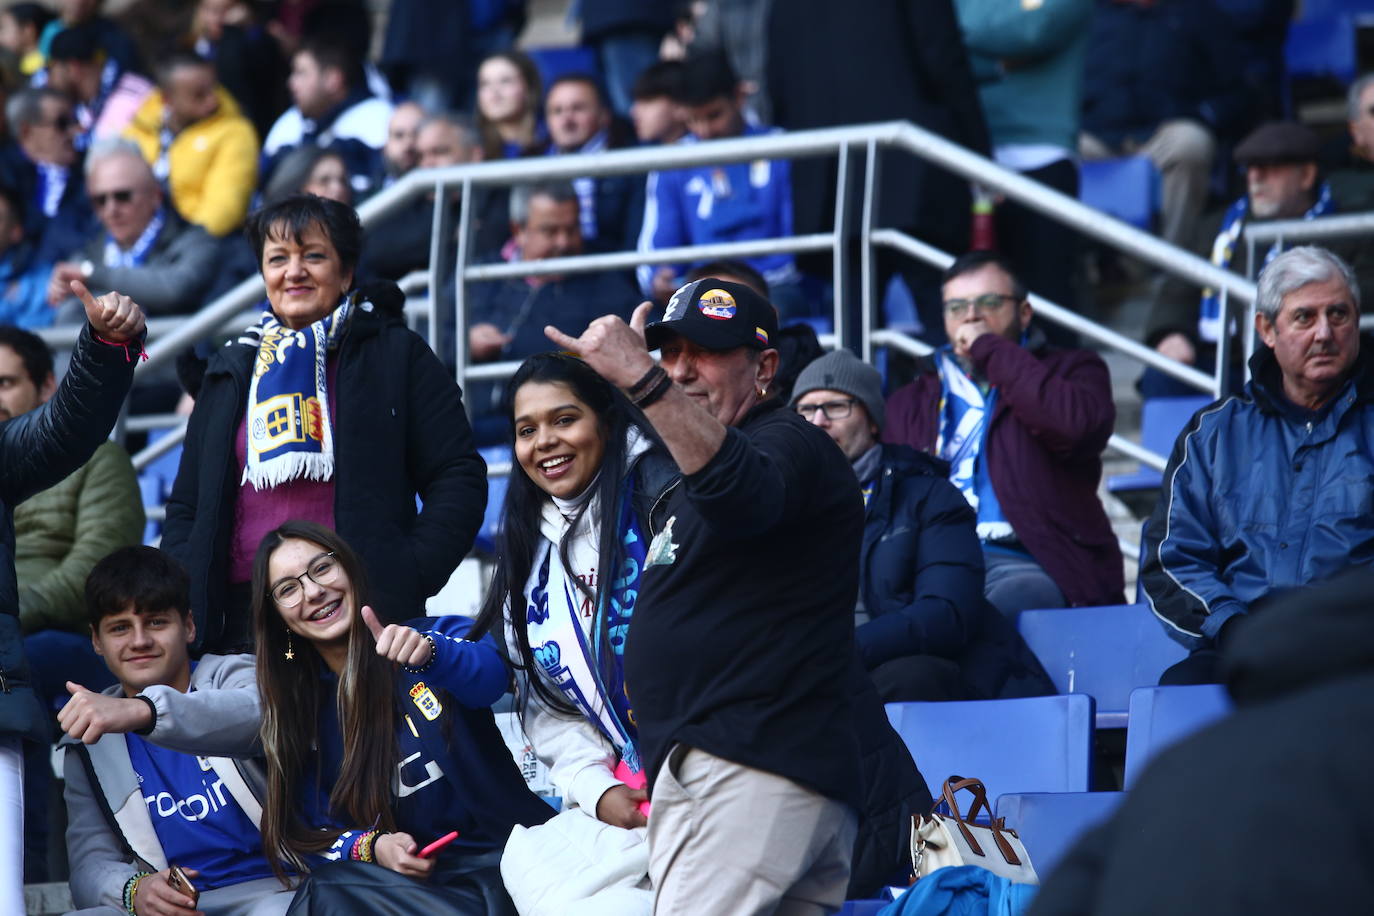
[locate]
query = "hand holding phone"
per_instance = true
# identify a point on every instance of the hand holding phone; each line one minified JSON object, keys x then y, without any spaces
{"x":438,"y":844}
{"x":179,"y":881}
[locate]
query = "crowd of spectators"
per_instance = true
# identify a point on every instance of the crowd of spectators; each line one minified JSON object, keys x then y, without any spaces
{"x":777,"y":504}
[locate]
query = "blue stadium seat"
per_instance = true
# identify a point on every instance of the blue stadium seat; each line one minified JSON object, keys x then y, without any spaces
{"x":556,"y":62}
{"x":863,"y":907}
{"x":1049,"y":823}
{"x":1127,"y":188}
{"x":1321,"y":47}
{"x":1359,"y":10}
{"x":1037,"y":744}
{"x":155,"y":483}
{"x":1162,"y":716}
{"x":1105,"y":652}
{"x":1161,"y":420}
{"x":496,"y":497}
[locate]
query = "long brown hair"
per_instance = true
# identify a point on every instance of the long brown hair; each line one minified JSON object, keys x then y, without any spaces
{"x":493,"y":147}
{"x":291,"y":694}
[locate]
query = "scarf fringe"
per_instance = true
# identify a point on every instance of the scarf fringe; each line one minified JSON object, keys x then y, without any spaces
{"x":285,"y":468}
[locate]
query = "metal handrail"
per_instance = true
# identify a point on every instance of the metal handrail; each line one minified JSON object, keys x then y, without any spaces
{"x":1322,"y":228}
{"x":870,"y":138}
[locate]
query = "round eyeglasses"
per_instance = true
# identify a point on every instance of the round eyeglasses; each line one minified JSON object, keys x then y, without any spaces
{"x":290,"y":591}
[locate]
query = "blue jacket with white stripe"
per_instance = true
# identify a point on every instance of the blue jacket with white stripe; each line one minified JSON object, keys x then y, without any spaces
{"x":720,"y":203}
{"x":1260,"y":495}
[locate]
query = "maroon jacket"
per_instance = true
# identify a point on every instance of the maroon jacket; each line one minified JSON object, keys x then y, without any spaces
{"x":1053,"y":417}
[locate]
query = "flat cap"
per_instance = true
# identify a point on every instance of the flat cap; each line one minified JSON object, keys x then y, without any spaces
{"x":1278,"y":141}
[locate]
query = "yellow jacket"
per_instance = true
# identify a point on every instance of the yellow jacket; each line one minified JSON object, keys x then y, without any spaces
{"x":213,"y":163}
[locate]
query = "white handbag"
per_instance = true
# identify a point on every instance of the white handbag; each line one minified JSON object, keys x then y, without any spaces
{"x":941,"y":839}
{"x":574,"y":865}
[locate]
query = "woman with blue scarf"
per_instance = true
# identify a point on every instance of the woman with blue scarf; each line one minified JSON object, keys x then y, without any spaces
{"x":329,"y":409}
{"x":577,"y":524}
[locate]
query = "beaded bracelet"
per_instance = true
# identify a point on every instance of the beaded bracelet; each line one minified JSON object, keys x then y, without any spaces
{"x":131,"y":890}
{"x":433,"y":654}
{"x":362,"y":850}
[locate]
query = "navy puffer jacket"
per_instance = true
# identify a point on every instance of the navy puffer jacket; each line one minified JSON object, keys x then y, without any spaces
{"x":921,"y":572}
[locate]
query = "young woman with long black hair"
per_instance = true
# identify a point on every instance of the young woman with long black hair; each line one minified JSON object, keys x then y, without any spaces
{"x":577,"y":525}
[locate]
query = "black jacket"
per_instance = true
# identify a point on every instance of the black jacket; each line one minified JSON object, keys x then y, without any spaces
{"x":921,"y":574}
{"x":38,"y":449}
{"x":745,"y":641}
{"x":400,"y":431}
{"x":1266,"y":812}
{"x":1168,"y":60}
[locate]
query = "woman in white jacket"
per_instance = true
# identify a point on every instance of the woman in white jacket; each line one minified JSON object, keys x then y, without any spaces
{"x":575,"y":536}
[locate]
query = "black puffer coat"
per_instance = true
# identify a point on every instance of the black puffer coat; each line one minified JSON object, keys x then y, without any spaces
{"x":399,"y":431}
{"x":37,"y":450}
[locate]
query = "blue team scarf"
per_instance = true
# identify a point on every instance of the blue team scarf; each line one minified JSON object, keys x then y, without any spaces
{"x":136,"y":255}
{"x":553,"y":608}
{"x":963,"y":422}
{"x":289,"y":434}
{"x":1224,"y":249}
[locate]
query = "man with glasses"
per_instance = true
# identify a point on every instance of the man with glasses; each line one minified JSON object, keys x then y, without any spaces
{"x":924,"y":631}
{"x":142,"y":248}
{"x":1022,"y":426}
{"x":44,"y":170}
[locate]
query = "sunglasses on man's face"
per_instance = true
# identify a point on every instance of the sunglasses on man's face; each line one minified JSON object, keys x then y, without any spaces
{"x":62,"y":123}
{"x":98,"y":201}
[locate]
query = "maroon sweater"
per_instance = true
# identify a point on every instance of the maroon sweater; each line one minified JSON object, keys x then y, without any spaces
{"x":1053,"y":417}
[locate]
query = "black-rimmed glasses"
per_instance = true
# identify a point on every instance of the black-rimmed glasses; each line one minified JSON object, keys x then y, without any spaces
{"x":290,"y":591}
{"x":832,"y":410}
{"x":981,"y":305}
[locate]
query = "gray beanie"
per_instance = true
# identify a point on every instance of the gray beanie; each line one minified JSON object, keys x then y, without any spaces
{"x":840,"y":370}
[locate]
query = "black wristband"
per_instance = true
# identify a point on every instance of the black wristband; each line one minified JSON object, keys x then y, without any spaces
{"x":644,"y":380}
{"x":659,"y":389}
{"x":152,"y":709}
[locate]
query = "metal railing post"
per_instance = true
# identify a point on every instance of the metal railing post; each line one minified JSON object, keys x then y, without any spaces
{"x":438,"y":225}
{"x":841,"y":268}
{"x":1222,"y":384}
{"x":460,"y":284}
{"x":867,"y":275}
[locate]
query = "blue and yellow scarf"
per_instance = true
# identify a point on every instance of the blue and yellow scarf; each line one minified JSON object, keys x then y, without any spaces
{"x":289,"y":433}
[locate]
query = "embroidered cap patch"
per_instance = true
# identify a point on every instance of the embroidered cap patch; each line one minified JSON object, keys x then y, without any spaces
{"x":717,"y":304}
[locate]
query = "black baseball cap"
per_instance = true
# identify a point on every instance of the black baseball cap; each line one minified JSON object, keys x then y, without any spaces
{"x":718,"y":315}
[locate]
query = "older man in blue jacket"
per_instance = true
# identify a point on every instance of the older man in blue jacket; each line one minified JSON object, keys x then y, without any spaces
{"x":1271,"y":488}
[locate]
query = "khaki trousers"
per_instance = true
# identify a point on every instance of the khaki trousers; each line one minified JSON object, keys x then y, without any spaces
{"x":729,"y":839}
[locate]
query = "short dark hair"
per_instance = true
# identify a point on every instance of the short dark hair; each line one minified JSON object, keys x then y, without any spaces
{"x":585,"y":79}
{"x":974,"y":261}
{"x":33,"y":352}
{"x":80,"y":42}
{"x":706,"y":77}
{"x":177,"y":59}
{"x":295,"y":214}
{"x":730,"y":269}
{"x":143,"y":576}
{"x":333,"y":51}
{"x":34,"y":14}
{"x":658,"y":80}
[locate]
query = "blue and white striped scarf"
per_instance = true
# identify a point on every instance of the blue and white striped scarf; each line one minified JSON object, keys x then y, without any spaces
{"x":1224,"y":249}
{"x":289,"y":434}
{"x":963,"y":422}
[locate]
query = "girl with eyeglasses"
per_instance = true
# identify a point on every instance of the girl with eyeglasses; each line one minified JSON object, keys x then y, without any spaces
{"x":379,"y":739}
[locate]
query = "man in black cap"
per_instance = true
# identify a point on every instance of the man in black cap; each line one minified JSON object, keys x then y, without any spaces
{"x":1282,"y":182}
{"x":739,"y":664}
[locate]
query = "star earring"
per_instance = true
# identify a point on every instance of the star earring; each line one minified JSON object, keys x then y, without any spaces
{"x":290,"y":652}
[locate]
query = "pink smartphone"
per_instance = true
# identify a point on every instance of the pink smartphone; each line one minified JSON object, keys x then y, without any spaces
{"x":638,"y":780}
{"x":438,"y":844}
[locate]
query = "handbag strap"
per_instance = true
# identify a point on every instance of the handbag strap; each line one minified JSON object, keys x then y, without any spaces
{"x":980,"y":802}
